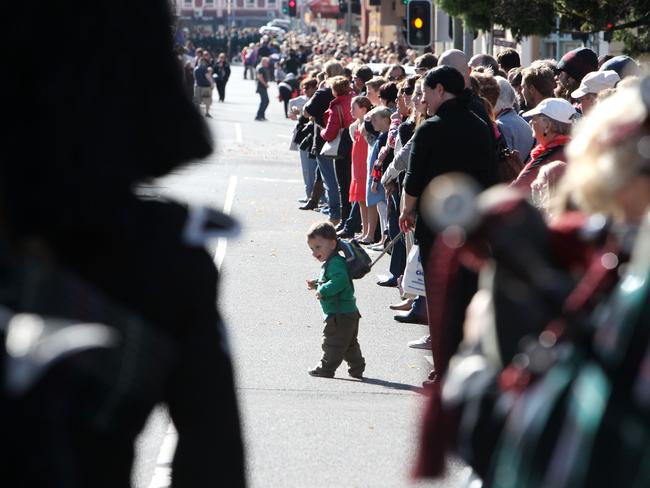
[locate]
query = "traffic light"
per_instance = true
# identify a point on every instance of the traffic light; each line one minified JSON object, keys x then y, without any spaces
{"x":419,"y":14}
{"x":292,"y":8}
{"x":607,"y":35}
{"x":285,"y":7}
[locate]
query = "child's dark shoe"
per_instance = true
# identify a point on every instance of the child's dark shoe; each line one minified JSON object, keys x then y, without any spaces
{"x":356,"y":372}
{"x":321,"y":373}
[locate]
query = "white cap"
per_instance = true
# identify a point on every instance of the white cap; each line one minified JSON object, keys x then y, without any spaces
{"x":596,"y":81}
{"x":554,"y":108}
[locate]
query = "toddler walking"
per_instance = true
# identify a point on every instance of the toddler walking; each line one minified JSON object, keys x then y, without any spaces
{"x":335,"y":292}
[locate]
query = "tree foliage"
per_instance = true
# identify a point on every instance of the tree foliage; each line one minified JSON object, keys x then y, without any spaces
{"x":526,"y":17}
{"x":637,"y":41}
{"x":538,"y":17}
{"x":477,"y":14}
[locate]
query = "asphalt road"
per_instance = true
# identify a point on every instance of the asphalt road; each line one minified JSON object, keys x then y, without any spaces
{"x":299,"y":431}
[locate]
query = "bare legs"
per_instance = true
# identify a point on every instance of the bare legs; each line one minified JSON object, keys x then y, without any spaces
{"x":373,"y":216}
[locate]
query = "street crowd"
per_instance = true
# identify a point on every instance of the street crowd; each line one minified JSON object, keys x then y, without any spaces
{"x":525,"y":283}
{"x":513,"y":203}
{"x":525,"y":192}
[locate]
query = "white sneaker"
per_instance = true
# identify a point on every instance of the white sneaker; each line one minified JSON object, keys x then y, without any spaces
{"x":422,"y":343}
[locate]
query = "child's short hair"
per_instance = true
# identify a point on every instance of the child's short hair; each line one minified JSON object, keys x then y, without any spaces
{"x":324,"y":230}
{"x":362,"y":102}
{"x":340,"y":85}
{"x":375,"y":83}
{"x":380,"y":111}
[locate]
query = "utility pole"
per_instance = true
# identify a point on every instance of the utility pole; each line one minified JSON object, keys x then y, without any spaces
{"x":490,"y":43}
{"x":458,"y":33}
{"x":557,"y":39}
{"x":468,"y":41}
{"x":348,"y":21}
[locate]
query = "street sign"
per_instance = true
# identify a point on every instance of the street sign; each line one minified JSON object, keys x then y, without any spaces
{"x":504,"y":43}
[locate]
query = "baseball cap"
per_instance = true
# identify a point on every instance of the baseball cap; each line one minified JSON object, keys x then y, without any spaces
{"x":623,"y":65}
{"x":578,"y":63}
{"x":595,"y":82}
{"x":557,"y":109}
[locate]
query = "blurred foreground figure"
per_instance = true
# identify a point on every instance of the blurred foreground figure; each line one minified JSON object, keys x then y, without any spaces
{"x":549,"y":386}
{"x":125,"y":281}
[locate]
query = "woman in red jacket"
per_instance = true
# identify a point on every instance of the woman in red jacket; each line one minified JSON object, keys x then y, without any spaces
{"x":338,"y":117}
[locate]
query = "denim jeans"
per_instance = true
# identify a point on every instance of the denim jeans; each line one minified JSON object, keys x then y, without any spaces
{"x":264,"y":102}
{"x":309,"y":167}
{"x":326,"y":167}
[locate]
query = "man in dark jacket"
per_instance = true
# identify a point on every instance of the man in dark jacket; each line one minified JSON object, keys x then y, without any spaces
{"x":453,"y":139}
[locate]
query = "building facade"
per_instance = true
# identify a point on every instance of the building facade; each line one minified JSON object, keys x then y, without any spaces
{"x":216,"y":14}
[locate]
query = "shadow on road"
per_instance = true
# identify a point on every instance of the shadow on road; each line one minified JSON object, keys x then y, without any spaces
{"x":387,"y":384}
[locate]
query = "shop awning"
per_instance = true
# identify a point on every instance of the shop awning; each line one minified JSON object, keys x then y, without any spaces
{"x":326,"y":8}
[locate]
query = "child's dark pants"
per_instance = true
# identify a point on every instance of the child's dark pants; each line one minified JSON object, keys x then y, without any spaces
{"x":340,"y":343}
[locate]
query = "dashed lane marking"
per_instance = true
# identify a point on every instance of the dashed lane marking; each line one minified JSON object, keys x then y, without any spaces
{"x":162,"y":473}
{"x":222,"y":243}
{"x":240,"y":137}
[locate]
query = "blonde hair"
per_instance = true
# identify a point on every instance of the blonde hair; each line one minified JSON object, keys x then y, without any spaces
{"x":375,"y":83}
{"x":609,"y":148}
{"x":333,"y":68}
{"x":340,"y":85}
{"x":380,"y":111}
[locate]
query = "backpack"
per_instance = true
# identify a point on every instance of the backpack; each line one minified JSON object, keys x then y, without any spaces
{"x":356,"y":258}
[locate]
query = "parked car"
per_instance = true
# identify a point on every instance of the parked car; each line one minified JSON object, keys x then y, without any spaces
{"x":281,"y":23}
{"x":273,"y":31}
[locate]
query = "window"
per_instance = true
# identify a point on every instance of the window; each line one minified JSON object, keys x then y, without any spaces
{"x":209,"y":3}
{"x":271,"y":3}
{"x":250,"y":3}
{"x":187,"y":3}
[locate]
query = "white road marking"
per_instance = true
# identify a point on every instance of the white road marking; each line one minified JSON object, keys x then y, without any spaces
{"x":238,"y":132}
{"x":222,"y":243}
{"x":162,"y":473}
{"x":272,"y":180}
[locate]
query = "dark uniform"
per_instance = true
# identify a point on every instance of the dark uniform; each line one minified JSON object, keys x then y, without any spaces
{"x":103,"y":133}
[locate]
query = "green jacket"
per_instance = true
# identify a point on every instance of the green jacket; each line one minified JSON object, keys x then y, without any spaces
{"x":336,"y":288}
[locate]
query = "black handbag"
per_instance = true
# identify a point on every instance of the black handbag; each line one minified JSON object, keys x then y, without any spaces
{"x":307,"y":142}
{"x":303,"y":129}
